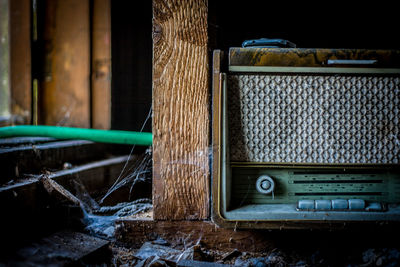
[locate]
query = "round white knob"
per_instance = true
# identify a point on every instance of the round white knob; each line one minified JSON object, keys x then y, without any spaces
{"x":265,"y":184}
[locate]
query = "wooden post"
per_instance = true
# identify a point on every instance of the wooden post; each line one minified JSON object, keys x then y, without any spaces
{"x":20,"y":60}
{"x":101,"y":64}
{"x":180,"y":110}
{"x":65,"y":91}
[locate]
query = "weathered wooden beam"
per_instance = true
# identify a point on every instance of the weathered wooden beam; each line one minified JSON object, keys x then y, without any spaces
{"x":188,"y":233}
{"x":32,"y":158}
{"x":95,"y":176}
{"x":101,"y":64}
{"x":20,"y":60}
{"x":184,"y":234}
{"x":180,"y":110}
{"x":23,"y":140}
{"x":64,"y":95}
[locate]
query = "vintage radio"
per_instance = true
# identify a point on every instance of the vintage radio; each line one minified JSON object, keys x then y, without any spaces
{"x":305,"y":135}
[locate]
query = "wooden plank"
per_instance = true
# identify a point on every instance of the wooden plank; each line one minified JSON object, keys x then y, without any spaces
{"x":101,"y":64}
{"x":20,"y":60}
{"x":180,"y":110}
{"x":23,"y":140}
{"x":94,"y":176}
{"x":184,"y":234}
{"x":64,"y":93}
{"x":187,"y":233}
{"x":30,"y":159}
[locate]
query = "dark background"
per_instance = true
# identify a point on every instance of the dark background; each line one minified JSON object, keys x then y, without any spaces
{"x":131,"y":53}
{"x":324,"y":24}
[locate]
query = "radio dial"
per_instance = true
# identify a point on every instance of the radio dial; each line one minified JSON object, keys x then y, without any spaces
{"x":265,"y":184}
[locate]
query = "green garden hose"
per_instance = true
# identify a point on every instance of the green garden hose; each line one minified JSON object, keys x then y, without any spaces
{"x":102,"y":136}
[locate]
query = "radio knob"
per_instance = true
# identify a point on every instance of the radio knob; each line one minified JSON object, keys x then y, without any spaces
{"x":265,"y":184}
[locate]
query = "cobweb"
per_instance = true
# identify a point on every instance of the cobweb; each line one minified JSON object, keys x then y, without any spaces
{"x":138,"y":172}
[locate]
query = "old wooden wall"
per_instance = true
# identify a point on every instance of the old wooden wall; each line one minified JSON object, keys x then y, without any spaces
{"x":101,"y":64}
{"x":180,"y":110}
{"x":20,"y":60}
{"x":75,"y":80}
{"x":64,"y":92}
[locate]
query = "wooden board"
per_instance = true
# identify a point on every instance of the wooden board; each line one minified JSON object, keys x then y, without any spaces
{"x":17,"y":161}
{"x":101,"y":64}
{"x":188,"y":233}
{"x":95,"y":176}
{"x":65,"y":90}
{"x":184,"y":234}
{"x":180,"y":110}
{"x":20,"y":60}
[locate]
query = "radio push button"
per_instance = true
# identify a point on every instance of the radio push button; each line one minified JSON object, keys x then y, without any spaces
{"x":323,"y":204}
{"x":306,"y":204}
{"x":356,"y":204}
{"x":340,"y":204}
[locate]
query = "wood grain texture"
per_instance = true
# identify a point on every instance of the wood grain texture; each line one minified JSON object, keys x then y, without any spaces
{"x":180,"y":110}
{"x":101,"y":64}
{"x":188,"y":233}
{"x":65,"y":91}
{"x":20,"y":60}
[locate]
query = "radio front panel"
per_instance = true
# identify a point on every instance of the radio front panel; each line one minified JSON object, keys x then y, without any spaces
{"x":314,"y":119}
{"x":294,"y":184}
{"x":311,"y":144}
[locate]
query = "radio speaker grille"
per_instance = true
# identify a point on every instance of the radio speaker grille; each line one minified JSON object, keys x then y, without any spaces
{"x":314,"y":118}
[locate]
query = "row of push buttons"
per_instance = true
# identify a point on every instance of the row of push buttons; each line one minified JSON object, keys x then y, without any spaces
{"x":337,"y":204}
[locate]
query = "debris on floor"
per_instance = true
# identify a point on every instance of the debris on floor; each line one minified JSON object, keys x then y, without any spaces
{"x":59,"y":192}
{"x":99,"y":223}
{"x":126,"y":208}
{"x":159,"y":253}
{"x":98,"y":220}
